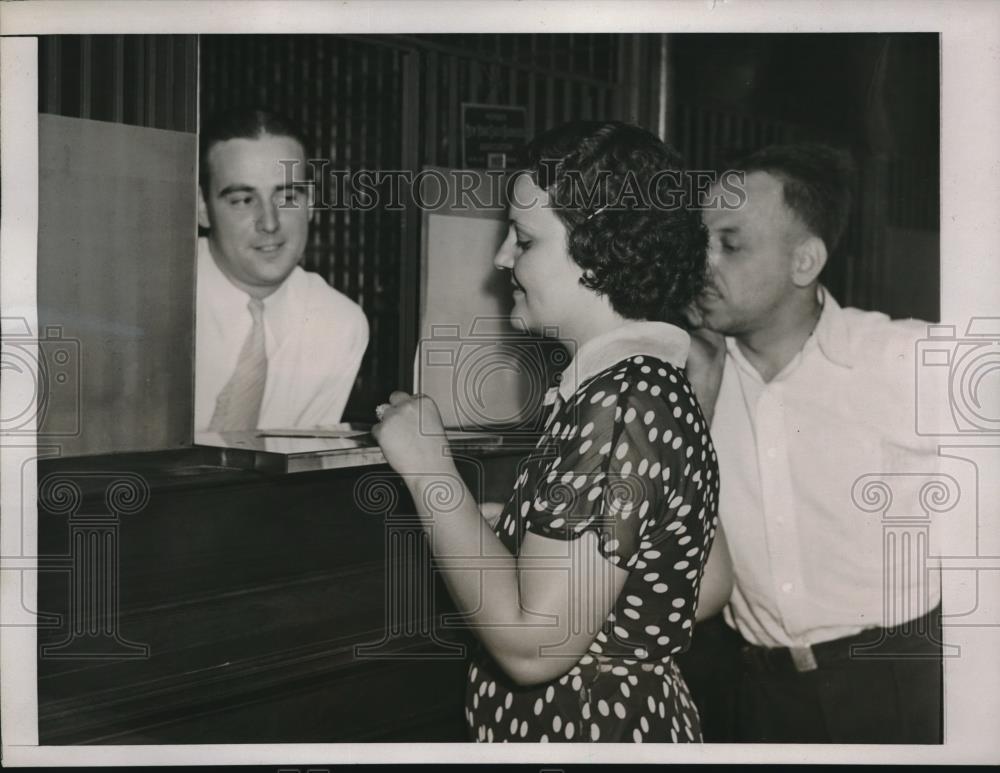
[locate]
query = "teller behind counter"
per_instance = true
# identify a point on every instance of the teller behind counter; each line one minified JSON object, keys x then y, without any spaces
{"x":276,"y":346}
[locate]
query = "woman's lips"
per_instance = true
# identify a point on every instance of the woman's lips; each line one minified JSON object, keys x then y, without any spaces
{"x":709,"y":295}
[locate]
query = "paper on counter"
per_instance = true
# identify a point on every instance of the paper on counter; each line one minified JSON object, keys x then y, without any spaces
{"x":342,"y":431}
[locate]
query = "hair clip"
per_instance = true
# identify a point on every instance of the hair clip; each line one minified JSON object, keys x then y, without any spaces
{"x":597,"y":211}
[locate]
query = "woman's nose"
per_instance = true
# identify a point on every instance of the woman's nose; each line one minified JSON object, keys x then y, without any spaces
{"x":504,"y":257}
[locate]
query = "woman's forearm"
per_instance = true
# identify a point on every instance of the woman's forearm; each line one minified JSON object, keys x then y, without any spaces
{"x":717,"y":582}
{"x":464,"y":545}
{"x":479,"y":571}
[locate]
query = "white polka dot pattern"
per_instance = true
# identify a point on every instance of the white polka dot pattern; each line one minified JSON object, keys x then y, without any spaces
{"x":627,"y":459}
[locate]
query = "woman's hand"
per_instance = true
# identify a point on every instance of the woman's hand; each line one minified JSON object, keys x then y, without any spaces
{"x":411,"y":435}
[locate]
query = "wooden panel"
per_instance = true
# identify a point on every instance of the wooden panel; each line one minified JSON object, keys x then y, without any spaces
{"x":116,"y":245}
{"x":239,"y":601}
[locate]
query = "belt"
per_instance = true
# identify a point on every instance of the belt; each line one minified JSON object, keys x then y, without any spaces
{"x":811,"y":657}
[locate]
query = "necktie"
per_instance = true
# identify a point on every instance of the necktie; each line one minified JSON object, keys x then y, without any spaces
{"x":238,"y":405}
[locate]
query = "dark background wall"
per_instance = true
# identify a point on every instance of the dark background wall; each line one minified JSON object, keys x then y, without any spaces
{"x":877,"y":95}
{"x":138,"y":80}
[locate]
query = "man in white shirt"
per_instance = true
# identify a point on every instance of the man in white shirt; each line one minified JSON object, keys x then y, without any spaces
{"x":808,"y":398}
{"x":276,"y":347}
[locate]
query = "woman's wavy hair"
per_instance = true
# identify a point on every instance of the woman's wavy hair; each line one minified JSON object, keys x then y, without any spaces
{"x":623,"y":197}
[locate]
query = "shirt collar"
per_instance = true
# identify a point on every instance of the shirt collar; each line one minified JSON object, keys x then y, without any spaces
{"x":228,"y":300}
{"x":832,"y":333}
{"x":657,"y":339}
{"x":831,"y":336}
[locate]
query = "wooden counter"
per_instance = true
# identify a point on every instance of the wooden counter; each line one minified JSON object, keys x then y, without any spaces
{"x":192,"y":597}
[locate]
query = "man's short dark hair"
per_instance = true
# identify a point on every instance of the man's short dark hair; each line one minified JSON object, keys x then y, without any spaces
{"x":649,"y":258}
{"x":817,"y":181}
{"x":246,"y":122}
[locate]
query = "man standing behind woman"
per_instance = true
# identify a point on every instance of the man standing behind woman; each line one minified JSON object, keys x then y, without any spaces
{"x":837,"y":643}
{"x":586,"y":585}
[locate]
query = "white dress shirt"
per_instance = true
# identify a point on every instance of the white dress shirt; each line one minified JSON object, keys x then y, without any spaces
{"x":809,"y":563}
{"x":315,"y":338}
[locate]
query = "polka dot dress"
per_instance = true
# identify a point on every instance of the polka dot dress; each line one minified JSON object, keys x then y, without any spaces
{"x":628,"y":457}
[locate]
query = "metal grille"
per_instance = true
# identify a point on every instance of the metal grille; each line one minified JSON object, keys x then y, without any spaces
{"x":709,"y":139}
{"x":346,"y":97}
{"x":139,"y":80}
{"x":556,"y":78}
{"x":914,"y":193}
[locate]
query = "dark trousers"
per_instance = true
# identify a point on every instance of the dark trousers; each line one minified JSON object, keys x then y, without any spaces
{"x":858,"y":693}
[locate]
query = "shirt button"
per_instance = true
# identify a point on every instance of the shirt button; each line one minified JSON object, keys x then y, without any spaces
{"x":786,"y":587}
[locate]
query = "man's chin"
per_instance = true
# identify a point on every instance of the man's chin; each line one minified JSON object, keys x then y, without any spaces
{"x":273,"y":267}
{"x":269,"y":280}
{"x":713,"y":319}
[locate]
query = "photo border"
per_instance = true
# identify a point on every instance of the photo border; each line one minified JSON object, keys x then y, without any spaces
{"x":970,"y":227}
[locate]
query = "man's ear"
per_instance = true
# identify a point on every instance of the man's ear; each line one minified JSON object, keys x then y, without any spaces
{"x":809,"y":259}
{"x":203,"y":219}
{"x":311,"y":193}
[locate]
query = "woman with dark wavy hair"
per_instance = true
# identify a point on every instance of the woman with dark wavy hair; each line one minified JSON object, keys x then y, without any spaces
{"x":586,"y":584}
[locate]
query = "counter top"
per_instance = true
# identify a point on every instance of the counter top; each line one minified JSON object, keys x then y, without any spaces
{"x":289,"y":451}
{"x":276,"y":452}
{"x":240,"y":457}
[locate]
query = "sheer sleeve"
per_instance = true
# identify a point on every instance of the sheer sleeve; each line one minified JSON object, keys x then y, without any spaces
{"x":609,"y":463}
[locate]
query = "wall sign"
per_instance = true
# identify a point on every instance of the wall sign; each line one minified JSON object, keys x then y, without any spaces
{"x":493,"y":136}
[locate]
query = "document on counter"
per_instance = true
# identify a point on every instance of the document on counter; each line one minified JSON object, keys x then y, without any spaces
{"x":360,"y":430}
{"x":336,"y":431}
